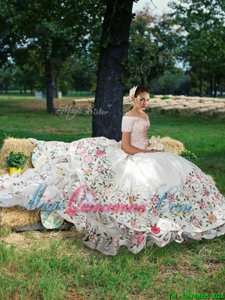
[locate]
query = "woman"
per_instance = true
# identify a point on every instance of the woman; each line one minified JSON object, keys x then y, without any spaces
{"x":134,"y":140}
{"x":128,"y":196}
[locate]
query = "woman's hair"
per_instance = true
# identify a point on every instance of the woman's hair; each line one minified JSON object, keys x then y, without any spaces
{"x":141,"y":89}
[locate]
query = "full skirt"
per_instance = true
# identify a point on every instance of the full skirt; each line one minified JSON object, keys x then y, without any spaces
{"x":116,"y":198}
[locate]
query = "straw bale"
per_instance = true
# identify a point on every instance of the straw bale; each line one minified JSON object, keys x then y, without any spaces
{"x":167,"y":109}
{"x":207,"y":111}
{"x":211,"y":179}
{"x":17,"y":145}
{"x":219,"y":105}
{"x":221,"y":110}
{"x":15,"y":216}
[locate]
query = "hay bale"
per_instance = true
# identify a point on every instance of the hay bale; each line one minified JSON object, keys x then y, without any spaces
{"x":172,"y":145}
{"x":208,"y":111}
{"x":181,"y":97}
{"x":194,"y":105}
{"x":186,"y":110}
{"x":171,"y":102}
{"x":155,"y":108}
{"x":211,"y":179}
{"x":16,"y":216}
{"x":219,"y":105}
{"x":178,"y":109}
{"x":17,"y":145}
{"x":196,"y":99}
{"x":220,"y":112}
{"x":194,"y":102}
{"x":167,"y":109}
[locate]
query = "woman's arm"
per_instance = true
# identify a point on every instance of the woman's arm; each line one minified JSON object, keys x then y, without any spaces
{"x":128,"y":148}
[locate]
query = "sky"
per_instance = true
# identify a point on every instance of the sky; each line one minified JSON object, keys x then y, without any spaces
{"x":158,"y":8}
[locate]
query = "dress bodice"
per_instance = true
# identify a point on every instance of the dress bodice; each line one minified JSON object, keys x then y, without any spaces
{"x":138,"y":127}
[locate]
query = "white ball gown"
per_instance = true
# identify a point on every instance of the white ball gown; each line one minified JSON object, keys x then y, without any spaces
{"x":116,"y":198}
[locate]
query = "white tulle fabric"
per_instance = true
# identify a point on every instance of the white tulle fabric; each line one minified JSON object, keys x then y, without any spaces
{"x":95,"y":171}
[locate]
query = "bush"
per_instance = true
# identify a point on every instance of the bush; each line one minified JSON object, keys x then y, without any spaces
{"x":165,"y":97}
{"x":189,"y":155}
{"x":16,"y":160}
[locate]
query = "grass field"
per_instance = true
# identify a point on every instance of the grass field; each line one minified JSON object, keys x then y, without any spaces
{"x":56,"y":265}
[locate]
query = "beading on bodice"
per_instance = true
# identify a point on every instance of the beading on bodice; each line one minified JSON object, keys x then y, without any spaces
{"x":138,"y":127}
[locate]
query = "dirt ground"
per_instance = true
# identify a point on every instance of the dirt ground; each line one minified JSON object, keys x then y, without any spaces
{"x":24,"y":240}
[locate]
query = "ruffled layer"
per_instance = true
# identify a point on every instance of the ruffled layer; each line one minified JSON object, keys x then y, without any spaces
{"x":108,"y":238}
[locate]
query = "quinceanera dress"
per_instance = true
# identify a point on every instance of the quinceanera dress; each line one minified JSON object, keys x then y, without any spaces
{"x":116,"y":198}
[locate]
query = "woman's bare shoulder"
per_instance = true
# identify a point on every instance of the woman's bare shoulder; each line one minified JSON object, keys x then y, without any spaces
{"x":132,"y":114}
{"x":128,"y":113}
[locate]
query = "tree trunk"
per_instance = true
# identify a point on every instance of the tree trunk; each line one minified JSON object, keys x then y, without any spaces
{"x":49,"y":86}
{"x":108,"y":106}
{"x":211,"y":88}
{"x":216,"y":85}
{"x":6,"y":88}
{"x":201,"y":86}
{"x":56,"y":89}
{"x":214,"y":89}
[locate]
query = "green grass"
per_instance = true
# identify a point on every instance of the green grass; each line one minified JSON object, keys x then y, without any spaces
{"x":74,"y":94}
{"x":18,"y":121}
{"x":59,"y":267}
{"x":55,"y":266}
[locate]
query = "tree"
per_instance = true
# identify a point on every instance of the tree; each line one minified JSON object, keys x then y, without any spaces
{"x":54,"y":30}
{"x":6,"y":32}
{"x":83,"y":71}
{"x":5,"y":79}
{"x":202,"y":39}
{"x":108,"y":105}
{"x":150,"y":51}
{"x":172,"y":83}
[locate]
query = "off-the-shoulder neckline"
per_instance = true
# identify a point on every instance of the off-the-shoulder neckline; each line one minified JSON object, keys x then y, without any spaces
{"x":138,"y":118}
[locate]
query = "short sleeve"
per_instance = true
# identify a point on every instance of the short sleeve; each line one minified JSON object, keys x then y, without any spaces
{"x":127,"y":124}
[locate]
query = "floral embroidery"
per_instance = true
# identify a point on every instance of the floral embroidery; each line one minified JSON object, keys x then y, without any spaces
{"x":155,"y":229}
{"x":100,"y":152}
{"x":196,"y":222}
{"x":140,"y":238}
{"x":205,"y":192}
{"x":80,"y":144}
{"x":87,"y":171}
{"x":212,"y":218}
{"x":202,"y":204}
{"x":88,"y":159}
{"x":94,"y":238}
{"x":83,"y":153}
